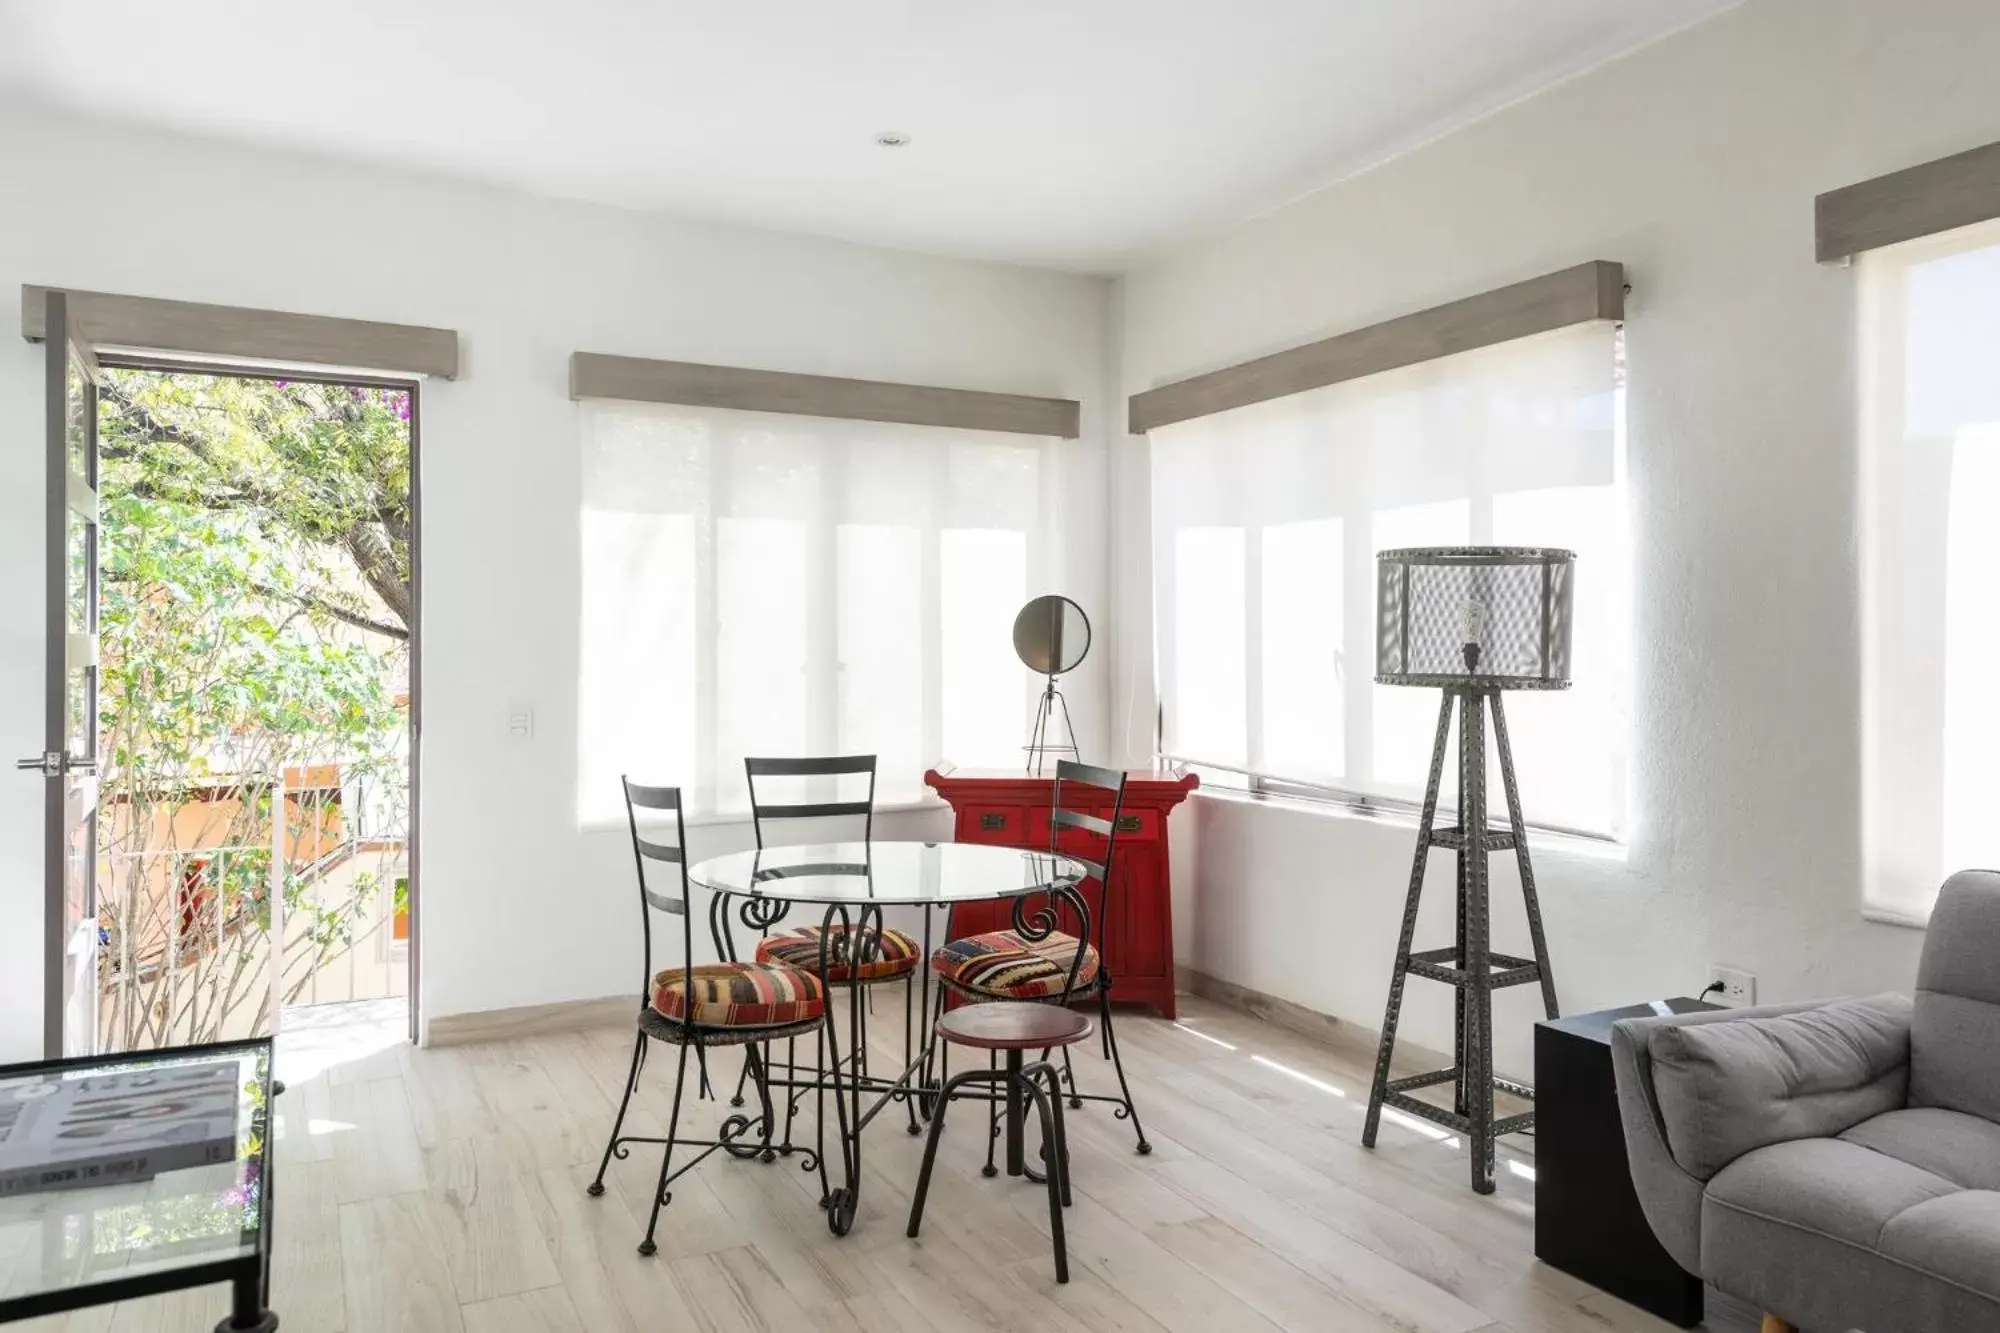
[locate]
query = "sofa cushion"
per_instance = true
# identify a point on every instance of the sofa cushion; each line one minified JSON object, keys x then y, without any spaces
{"x":1957,"y":1238}
{"x":1726,"y":1088}
{"x":1830,"y":1234}
{"x":1956,"y":1027}
{"x":1963,"y":1149}
{"x":1836,"y":1188}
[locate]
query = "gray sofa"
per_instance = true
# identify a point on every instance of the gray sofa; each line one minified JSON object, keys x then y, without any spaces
{"x":1838,"y":1164}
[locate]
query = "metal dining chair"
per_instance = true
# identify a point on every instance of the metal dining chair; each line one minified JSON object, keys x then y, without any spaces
{"x":1056,"y":967}
{"x":695,"y":1006}
{"x":782,"y":792}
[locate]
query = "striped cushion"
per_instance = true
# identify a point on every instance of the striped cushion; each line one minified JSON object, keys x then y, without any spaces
{"x":739,"y":995}
{"x":891,"y":954}
{"x":1003,"y":965}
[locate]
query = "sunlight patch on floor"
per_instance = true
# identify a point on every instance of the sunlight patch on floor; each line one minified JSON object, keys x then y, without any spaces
{"x":314,"y":1040}
{"x":1213,"y":1041}
{"x":1300,"y":1075}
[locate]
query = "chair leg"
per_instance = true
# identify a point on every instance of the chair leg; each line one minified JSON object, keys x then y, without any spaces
{"x":1060,"y":1148}
{"x":742,"y":1079}
{"x":819,"y":1114}
{"x":930,"y":1150}
{"x":631,"y":1082}
{"x":909,"y":1046}
{"x":762,"y":1073}
{"x":1124,"y":1088}
{"x":1069,"y":1077}
{"x":863,"y":1001}
{"x":791,"y":1076}
{"x":992,"y":1119}
{"x":660,"y":1195}
{"x":1029,"y":1087}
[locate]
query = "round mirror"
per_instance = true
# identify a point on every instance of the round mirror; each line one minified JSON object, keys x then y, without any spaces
{"x":1051,"y":635}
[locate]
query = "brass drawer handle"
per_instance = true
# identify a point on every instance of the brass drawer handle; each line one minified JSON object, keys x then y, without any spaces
{"x":1128,"y":823}
{"x":993,"y":819}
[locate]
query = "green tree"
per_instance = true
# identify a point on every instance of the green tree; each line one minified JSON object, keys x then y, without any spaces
{"x":324,"y":467}
{"x":254,"y":618}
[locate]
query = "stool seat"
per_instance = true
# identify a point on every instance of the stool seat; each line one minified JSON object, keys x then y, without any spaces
{"x":1013,"y":1027}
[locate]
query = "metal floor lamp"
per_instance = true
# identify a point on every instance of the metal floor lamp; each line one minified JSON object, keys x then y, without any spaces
{"x":1472,"y":621}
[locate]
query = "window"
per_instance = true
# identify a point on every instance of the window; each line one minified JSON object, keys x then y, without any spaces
{"x":1930,"y":490}
{"x":1266,"y":522}
{"x":760,"y":584}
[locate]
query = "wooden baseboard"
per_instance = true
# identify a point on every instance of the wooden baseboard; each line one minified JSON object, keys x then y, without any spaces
{"x":528,"y":1020}
{"x":1348,"y":1038}
{"x":1287,"y":1014}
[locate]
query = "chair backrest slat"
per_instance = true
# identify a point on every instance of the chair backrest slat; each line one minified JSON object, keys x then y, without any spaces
{"x":1096,"y":868}
{"x":821,"y":810}
{"x":1069,"y":770}
{"x":810,"y":766}
{"x":1076,"y":819}
{"x":657,"y":851}
{"x":1110,"y":783}
{"x":639,"y":796}
{"x":653,"y":798}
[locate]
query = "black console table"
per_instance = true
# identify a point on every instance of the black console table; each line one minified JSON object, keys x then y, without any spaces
{"x":1587,"y":1218}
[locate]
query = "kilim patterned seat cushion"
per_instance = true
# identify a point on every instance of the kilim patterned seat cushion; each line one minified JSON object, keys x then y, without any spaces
{"x":1003,"y":965}
{"x":739,"y":995}
{"x":884,"y":954}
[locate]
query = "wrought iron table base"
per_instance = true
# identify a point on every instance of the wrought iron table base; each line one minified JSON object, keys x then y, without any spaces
{"x":1469,"y":965}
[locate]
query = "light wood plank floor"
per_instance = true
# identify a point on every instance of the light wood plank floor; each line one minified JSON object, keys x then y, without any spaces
{"x":443,"y":1190}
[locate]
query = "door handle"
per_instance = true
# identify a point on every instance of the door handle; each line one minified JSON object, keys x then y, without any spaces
{"x":54,"y":763}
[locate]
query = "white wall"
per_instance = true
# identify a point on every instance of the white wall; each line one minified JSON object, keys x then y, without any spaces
{"x":519,"y":907}
{"x":1694,"y":162}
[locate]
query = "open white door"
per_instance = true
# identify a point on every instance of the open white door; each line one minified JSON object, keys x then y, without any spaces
{"x":68,"y":757}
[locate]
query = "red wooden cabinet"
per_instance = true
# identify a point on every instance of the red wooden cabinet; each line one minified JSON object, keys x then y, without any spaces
{"x":1012,"y":810}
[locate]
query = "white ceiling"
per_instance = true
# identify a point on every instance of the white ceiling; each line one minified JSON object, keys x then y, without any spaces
{"x":1078,"y":133}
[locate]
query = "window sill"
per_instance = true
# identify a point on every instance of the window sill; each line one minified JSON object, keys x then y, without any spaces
{"x":1884,"y":916}
{"x":1553,"y":841}
{"x":722,"y":817}
{"x":728,"y":818}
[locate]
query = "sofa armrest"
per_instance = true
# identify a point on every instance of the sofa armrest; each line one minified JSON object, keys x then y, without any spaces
{"x":1729,"y":1087}
{"x":1669,"y":1195}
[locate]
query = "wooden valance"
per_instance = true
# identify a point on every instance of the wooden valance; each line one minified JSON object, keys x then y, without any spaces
{"x":638,"y":379}
{"x":1951,"y":192}
{"x":275,"y":337}
{"x":1573,"y":296}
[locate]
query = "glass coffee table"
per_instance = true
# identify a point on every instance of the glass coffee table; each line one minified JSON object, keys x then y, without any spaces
{"x":127,"y":1176}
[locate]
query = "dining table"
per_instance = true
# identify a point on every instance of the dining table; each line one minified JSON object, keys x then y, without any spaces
{"x":850,"y":884}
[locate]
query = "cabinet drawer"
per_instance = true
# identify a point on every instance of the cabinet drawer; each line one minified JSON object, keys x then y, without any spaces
{"x":1133,"y":826}
{"x":1005,"y":824}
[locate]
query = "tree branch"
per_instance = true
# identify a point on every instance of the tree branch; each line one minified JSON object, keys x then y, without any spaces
{"x":377,"y":562}
{"x":334,"y":609}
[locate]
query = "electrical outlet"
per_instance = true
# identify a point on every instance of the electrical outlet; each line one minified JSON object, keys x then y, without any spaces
{"x":520,"y":722}
{"x":1739,"y":988}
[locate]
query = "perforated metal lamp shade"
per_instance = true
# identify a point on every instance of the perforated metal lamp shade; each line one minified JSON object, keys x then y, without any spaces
{"x":1491,"y":616}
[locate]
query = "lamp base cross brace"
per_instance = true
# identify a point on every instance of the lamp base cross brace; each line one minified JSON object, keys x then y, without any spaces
{"x":1469,"y":965}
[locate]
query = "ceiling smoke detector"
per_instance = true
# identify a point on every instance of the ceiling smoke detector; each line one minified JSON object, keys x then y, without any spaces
{"x":892,"y":139}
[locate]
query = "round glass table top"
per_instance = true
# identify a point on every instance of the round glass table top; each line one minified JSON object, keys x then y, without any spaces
{"x":886,"y":872}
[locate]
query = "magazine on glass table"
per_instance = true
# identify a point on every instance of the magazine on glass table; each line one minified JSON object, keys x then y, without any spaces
{"x":118,"y":1126}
